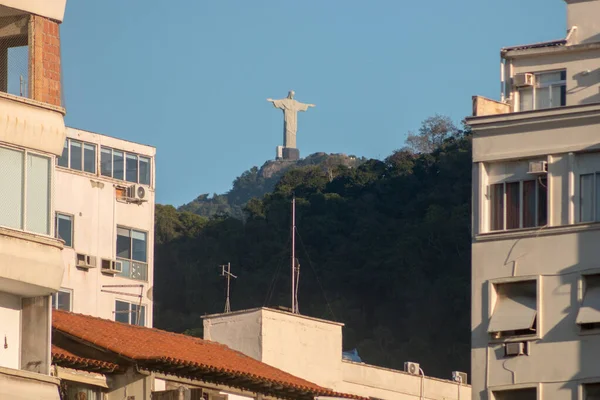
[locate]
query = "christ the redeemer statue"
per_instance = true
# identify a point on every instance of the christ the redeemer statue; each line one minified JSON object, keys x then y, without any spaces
{"x":290,"y":109}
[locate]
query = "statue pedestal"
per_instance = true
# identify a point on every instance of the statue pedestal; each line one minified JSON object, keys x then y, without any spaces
{"x":291,"y":154}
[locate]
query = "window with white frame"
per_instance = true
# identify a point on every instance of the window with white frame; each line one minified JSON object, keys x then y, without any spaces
{"x":25,"y":179}
{"x":64,"y":228}
{"x":588,"y":316}
{"x":62,"y":300}
{"x":132,"y":252}
{"x":518,"y":204}
{"x":591,"y":391}
{"x":516,"y":394}
{"x":549,"y":90}
{"x":78,"y":155}
{"x":125,"y":166}
{"x":515,"y":309}
{"x":130,"y":313}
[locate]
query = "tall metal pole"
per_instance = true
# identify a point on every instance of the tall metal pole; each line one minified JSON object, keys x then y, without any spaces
{"x":294,"y":254}
{"x":227,"y":303}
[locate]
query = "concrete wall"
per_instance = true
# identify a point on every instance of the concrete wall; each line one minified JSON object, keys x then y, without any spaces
{"x":311,"y":348}
{"x":53,"y":9}
{"x":35,"y":334}
{"x":584,"y":15}
{"x":91,"y":200}
{"x":10,"y":330}
{"x":24,"y":385}
{"x":129,"y":385}
{"x":370,"y":381}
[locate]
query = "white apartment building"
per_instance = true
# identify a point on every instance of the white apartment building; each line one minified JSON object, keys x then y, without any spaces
{"x":536,"y":220}
{"x":104,"y":213}
{"x":32,"y":133}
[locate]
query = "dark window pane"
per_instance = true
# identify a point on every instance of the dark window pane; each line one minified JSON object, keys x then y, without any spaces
{"x":513,"y":213}
{"x":497,"y":207}
{"x":139,"y":246}
{"x":76,"y":156}
{"x":63,"y":160}
{"x":106,"y":162}
{"x":123,"y":243}
{"x":529,"y":204}
{"x":117,"y":164}
{"x":563,"y":95}
{"x":64,"y":301}
{"x":89,"y":158}
{"x":64,"y":229}
{"x":138,"y":316}
{"x":542,"y":201}
{"x":132,"y":168}
{"x":586,"y":197}
{"x":144,"y":171}
{"x":122,"y":311}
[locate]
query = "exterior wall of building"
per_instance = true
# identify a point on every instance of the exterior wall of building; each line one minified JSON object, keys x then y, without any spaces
{"x":53,"y":9}
{"x":24,"y":385}
{"x":91,"y":199}
{"x":370,"y":381}
{"x":311,"y":348}
{"x":10,"y":335}
{"x":554,"y":255}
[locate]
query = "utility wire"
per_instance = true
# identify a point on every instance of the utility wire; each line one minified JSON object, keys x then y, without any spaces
{"x":316,"y":276}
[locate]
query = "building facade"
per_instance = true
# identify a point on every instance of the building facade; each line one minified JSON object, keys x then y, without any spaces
{"x":32,"y":132}
{"x":536,"y":208}
{"x":104,"y":213}
{"x":311,"y":348}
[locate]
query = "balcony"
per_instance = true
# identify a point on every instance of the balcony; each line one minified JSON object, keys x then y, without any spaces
{"x":24,"y":385}
{"x":30,"y":264}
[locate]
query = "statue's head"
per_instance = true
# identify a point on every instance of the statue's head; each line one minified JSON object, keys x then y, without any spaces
{"x":291,"y":94}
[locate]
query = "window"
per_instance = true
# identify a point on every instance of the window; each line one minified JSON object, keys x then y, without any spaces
{"x":79,"y":391}
{"x":591,"y":391}
{"x":515,"y":311}
{"x":14,"y":66}
{"x":129,"y":313}
{"x":516,"y":394}
{"x":549,"y":90}
{"x":61,"y":300}
{"x":64,"y":228}
{"x":125,"y":166}
{"x":132,"y":251}
{"x":25,"y":182}
{"x":521,"y":204}
{"x":78,"y":155}
{"x":589,"y":197}
{"x":588,"y":316}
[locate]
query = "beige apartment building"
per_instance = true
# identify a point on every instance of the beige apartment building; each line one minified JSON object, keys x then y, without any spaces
{"x":536,"y":214}
{"x":32,"y":133}
{"x":104,"y":213}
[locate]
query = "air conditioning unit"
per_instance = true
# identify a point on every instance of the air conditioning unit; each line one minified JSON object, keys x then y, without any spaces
{"x":112,"y":266}
{"x":85,"y":261}
{"x":515,"y":349}
{"x":136,"y":193}
{"x":412,"y":368}
{"x":460,"y":377}
{"x":523,"y":80}
{"x":538,"y":167}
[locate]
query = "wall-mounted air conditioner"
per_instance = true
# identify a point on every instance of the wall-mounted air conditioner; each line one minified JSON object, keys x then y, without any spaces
{"x":136,"y":193}
{"x":516,"y":349}
{"x":112,"y":266}
{"x":460,"y":377}
{"x":538,"y":167}
{"x":523,"y":80}
{"x":412,"y":368}
{"x":85,"y":261}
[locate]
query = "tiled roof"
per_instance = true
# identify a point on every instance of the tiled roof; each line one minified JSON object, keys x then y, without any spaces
{"x":553,"y":43}
{"x":65,"y":358}
{"x":186,"y":356}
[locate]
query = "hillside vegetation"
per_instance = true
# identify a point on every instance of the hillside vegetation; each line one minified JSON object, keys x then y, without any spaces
{"x":383,"y":247}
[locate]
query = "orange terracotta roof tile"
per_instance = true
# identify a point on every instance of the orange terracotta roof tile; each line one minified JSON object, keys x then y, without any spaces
{"x":65,"y":358}
{"x":157,"y":348}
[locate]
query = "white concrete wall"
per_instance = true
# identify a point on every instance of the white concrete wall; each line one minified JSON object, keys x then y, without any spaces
{"x":584,"y":15}
{"x":10,"y":330}
{"x":91,"y":199}
{"x":367,"y":380}
{"x":241,"y":331}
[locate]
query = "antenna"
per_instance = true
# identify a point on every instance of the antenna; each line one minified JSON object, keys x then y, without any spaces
{"x":227,"y":273}
{"x":295,"y":270}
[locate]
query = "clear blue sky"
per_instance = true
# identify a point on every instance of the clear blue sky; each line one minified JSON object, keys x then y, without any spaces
{"x":192,"y":77}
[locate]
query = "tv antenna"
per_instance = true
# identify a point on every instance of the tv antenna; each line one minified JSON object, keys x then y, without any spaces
{"x":295,"y":263}
{"x":226,"y":272}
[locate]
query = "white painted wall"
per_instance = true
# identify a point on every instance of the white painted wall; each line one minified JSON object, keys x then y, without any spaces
{"x":91,"y":199}
{"x":311,"y":349}
{"x":10,"y":330}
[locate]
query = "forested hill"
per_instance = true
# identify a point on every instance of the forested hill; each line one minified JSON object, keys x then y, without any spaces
{"x":256,"y":182}
{"x":384,"y":248}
